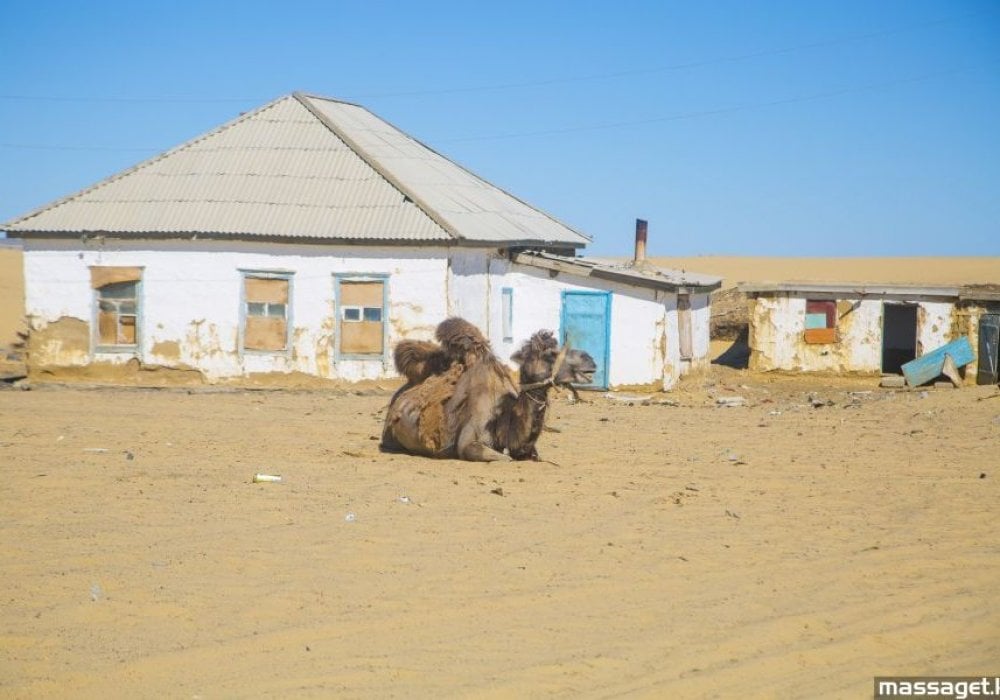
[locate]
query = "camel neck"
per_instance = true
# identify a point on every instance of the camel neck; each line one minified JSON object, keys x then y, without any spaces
{"x":528,"y":418}
{"x":539,"y":396}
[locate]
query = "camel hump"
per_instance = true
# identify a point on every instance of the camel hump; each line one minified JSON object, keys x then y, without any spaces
{"x":418,"y":359}
{"x":462,"y":341}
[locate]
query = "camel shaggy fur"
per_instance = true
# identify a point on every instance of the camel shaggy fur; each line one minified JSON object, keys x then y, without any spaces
{"x":461,"y":401}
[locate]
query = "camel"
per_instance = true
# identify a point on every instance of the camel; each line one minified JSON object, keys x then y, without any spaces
{"x":461,"y":402}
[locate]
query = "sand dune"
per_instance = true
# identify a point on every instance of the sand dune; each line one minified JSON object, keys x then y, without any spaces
{"x":928,"y":270}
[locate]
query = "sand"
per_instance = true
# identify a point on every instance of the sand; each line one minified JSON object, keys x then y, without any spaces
{"x":11,"y":294}
{"x":775,"y":549}
{"x":779,"y":549}
{"x":915,"y":270}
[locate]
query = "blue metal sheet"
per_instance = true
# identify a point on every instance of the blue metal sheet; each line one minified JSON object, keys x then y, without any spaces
{"x":928,"y":367}
{"x":586,"y":325}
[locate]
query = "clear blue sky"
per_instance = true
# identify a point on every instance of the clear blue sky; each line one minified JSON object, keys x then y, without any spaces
{"x":840,"y":127}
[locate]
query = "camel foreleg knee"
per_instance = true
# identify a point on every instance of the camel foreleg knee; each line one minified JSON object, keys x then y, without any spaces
{"x":478,"y":452}
{"x":471,"y":447}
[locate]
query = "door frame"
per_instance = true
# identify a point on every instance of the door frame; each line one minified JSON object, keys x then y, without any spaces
{"x":981,"y":364}
{"x":916,"y":329}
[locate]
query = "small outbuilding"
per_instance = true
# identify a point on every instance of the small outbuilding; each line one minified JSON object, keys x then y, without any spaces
{"x":869,"y":328}
{"x":309,"y":236}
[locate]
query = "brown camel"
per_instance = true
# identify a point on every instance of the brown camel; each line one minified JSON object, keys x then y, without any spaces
{"x":461,"y":401}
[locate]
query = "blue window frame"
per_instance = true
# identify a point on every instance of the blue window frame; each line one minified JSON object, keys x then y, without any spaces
{"x":507,"y":314}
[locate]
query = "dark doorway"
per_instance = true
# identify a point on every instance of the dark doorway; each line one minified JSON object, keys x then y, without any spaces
{"x":736,"y":355}
{"x":989,"y":350}
{"x":899,"y":336}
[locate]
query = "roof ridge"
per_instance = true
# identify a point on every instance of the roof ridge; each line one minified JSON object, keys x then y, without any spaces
{"x":114,"y":177}
{"x":373,"y":163}
{"x":382,"y":170}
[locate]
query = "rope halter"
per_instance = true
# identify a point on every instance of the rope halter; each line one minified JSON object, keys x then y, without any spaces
{"x":551,"y":381}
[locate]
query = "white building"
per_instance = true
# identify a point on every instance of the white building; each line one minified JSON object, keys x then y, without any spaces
{"x":309,"y":236}
{"x":861,"y":327}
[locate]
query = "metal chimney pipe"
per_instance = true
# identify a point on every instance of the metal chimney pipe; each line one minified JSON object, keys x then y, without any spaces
{"x":640,"y":240}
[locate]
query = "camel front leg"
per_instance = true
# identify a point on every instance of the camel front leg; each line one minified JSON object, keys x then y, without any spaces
{"x":470,"y":446}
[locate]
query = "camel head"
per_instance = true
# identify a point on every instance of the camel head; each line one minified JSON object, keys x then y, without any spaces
{"x":541,"y":359}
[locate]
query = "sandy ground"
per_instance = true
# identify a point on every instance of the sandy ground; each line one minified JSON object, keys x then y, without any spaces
{"x":11,"y":294}
{"x":778,"y":549}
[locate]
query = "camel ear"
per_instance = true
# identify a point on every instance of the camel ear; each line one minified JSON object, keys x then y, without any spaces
{"x":517,"y":357}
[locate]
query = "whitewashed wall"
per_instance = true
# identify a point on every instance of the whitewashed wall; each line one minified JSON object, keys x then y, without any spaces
{"x":191,"y":293}
{"x":778,"y":321}
{"x":644,"y":345}
{"x":469,"y":285}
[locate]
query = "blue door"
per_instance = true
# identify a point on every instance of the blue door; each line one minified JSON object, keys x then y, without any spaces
{"x":586,"y":325}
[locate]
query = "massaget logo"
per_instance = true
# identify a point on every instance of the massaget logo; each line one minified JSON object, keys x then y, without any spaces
{"x":958,"y":688}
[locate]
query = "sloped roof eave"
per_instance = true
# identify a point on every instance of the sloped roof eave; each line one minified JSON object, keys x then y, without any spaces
{"x":585,"y":268}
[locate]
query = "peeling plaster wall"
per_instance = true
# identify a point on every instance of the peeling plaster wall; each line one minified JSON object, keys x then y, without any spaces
{"x":934,"y":325}
{"x":191,"y":292}
{"x":966,"y":319}
{"x":190,"y":301}
{"x":777,"y":323}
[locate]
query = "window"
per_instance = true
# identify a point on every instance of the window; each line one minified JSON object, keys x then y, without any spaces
{"x":507,"y":314}
{"x":265,"y":320}
{"x":821,"y":321}
{"x":362,"y":313}
{"x":116,"y":297}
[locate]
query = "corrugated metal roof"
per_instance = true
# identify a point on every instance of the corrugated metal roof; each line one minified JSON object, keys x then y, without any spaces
{"x":464,"y":204}
{"x":636,"y":275}
{"x":301,"y":167}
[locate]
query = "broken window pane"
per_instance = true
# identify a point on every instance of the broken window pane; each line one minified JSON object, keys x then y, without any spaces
{"x":126,"y":330}
{"x":118,"y":290}
{"x":117,"y":308}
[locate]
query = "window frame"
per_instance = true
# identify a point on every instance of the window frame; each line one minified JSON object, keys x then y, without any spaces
{"x":338,"y":314}
{"x":828,"y":334}
{"x":95,"y":312}
{"x":286,"y":275}
{"x":507,"y":314}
